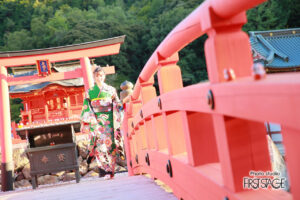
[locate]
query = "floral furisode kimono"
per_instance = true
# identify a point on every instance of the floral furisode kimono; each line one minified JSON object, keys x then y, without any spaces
{"x":99,"y":116}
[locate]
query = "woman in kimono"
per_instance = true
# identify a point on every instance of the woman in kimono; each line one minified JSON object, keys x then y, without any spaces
{"x":97,"y":118}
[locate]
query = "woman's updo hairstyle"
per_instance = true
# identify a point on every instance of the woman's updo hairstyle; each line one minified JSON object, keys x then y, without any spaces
{"x":98,"y":68}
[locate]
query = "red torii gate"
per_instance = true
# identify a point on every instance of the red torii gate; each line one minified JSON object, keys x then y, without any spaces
{"x":80,"y":52}
{"x":202,"y":140}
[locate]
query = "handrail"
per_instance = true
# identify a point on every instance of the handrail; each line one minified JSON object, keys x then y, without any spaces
{"x":194,"y":25}
{"x":203,"y":140}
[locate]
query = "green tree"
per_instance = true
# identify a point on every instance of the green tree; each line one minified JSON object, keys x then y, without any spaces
{"x":294,"y":18}
{"x":15,"y":107}
{"x":16,"y":16}
{"x":271,"y":15}
{"x":192,"y":57}
{"x":18,"y":40}
{"x":40,"y":33}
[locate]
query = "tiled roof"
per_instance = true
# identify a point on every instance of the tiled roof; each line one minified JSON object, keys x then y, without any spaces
{"x":31,"y":87}
{"x":27,"y":87}
{"x":279,"y":48}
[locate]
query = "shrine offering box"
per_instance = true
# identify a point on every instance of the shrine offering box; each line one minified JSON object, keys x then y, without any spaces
{"x":52,"y":149}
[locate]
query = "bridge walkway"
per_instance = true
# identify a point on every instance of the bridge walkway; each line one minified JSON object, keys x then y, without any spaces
{"x":121,"y":187}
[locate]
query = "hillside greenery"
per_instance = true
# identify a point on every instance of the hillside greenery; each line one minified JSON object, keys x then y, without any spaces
{"x":35,"y":24}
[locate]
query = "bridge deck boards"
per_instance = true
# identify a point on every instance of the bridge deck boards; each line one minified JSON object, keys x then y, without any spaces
{"x":122,"y":187}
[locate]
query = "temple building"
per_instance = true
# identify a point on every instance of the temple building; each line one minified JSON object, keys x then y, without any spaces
{"x":49,"y":103}
{"x":277,"y":50}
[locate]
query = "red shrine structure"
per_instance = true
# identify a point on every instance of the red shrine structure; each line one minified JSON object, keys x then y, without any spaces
{"x":53,"y":102}
{"x":50,"y":102}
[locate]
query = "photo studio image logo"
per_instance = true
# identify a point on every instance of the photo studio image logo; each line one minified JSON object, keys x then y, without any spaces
{"x":264,"y":180}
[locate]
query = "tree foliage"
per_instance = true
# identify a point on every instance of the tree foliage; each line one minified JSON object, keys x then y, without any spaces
{"x":271,"y":15}
{"x":15,"y":107}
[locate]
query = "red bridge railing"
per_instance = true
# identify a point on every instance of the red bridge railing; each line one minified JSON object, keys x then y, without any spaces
{"x":202,"y":140}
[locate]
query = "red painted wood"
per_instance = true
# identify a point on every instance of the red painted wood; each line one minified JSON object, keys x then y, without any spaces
{"x":160,"y":133}
{"x":192,"y":27}
{"x":212,"y":148}
{"x":229,"y":8}
{"x":271,"y":99}
{"x":217,"y":59}
{"x":36,"y":104}
{"x":85,"y":65}
{"x":2,"y":141}
{"x":150,"y":135}
{"x":175,"y":132}
{"x":291,"y":138}
{"x":200,"y":138}
{"x":13,"y":130}
{"x":126,"y":144}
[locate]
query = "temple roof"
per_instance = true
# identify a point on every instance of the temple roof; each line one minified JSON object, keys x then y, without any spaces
{"x":277,"y":48}
{"x":59,"y":68}
{"x":31,"y":87}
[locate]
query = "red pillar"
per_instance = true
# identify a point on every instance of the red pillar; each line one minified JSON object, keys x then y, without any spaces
{"x":46,"y":113}
{"x":69,"y":107}
{"x":29,"y":117}
{"x":87,"y":73}
{"x":7,"y":166}
{"x":13,"y":129}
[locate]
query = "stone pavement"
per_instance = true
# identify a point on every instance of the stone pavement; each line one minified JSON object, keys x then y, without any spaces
{"x":121,"y":187}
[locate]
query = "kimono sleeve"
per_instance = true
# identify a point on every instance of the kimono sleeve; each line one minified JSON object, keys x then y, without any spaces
{"x":85,"y":111}
{"x":115,"y":94}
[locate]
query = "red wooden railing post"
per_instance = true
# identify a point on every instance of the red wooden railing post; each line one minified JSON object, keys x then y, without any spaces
{"x":169,"y":79}
{"x":148,"y":92}
{"x":129,"y":132}
{"x":169,"y":74}
{"x":147,"y":135}
{"x":126,"y":144}
{"x":228,"y":47}
{"x":136,"y":142}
